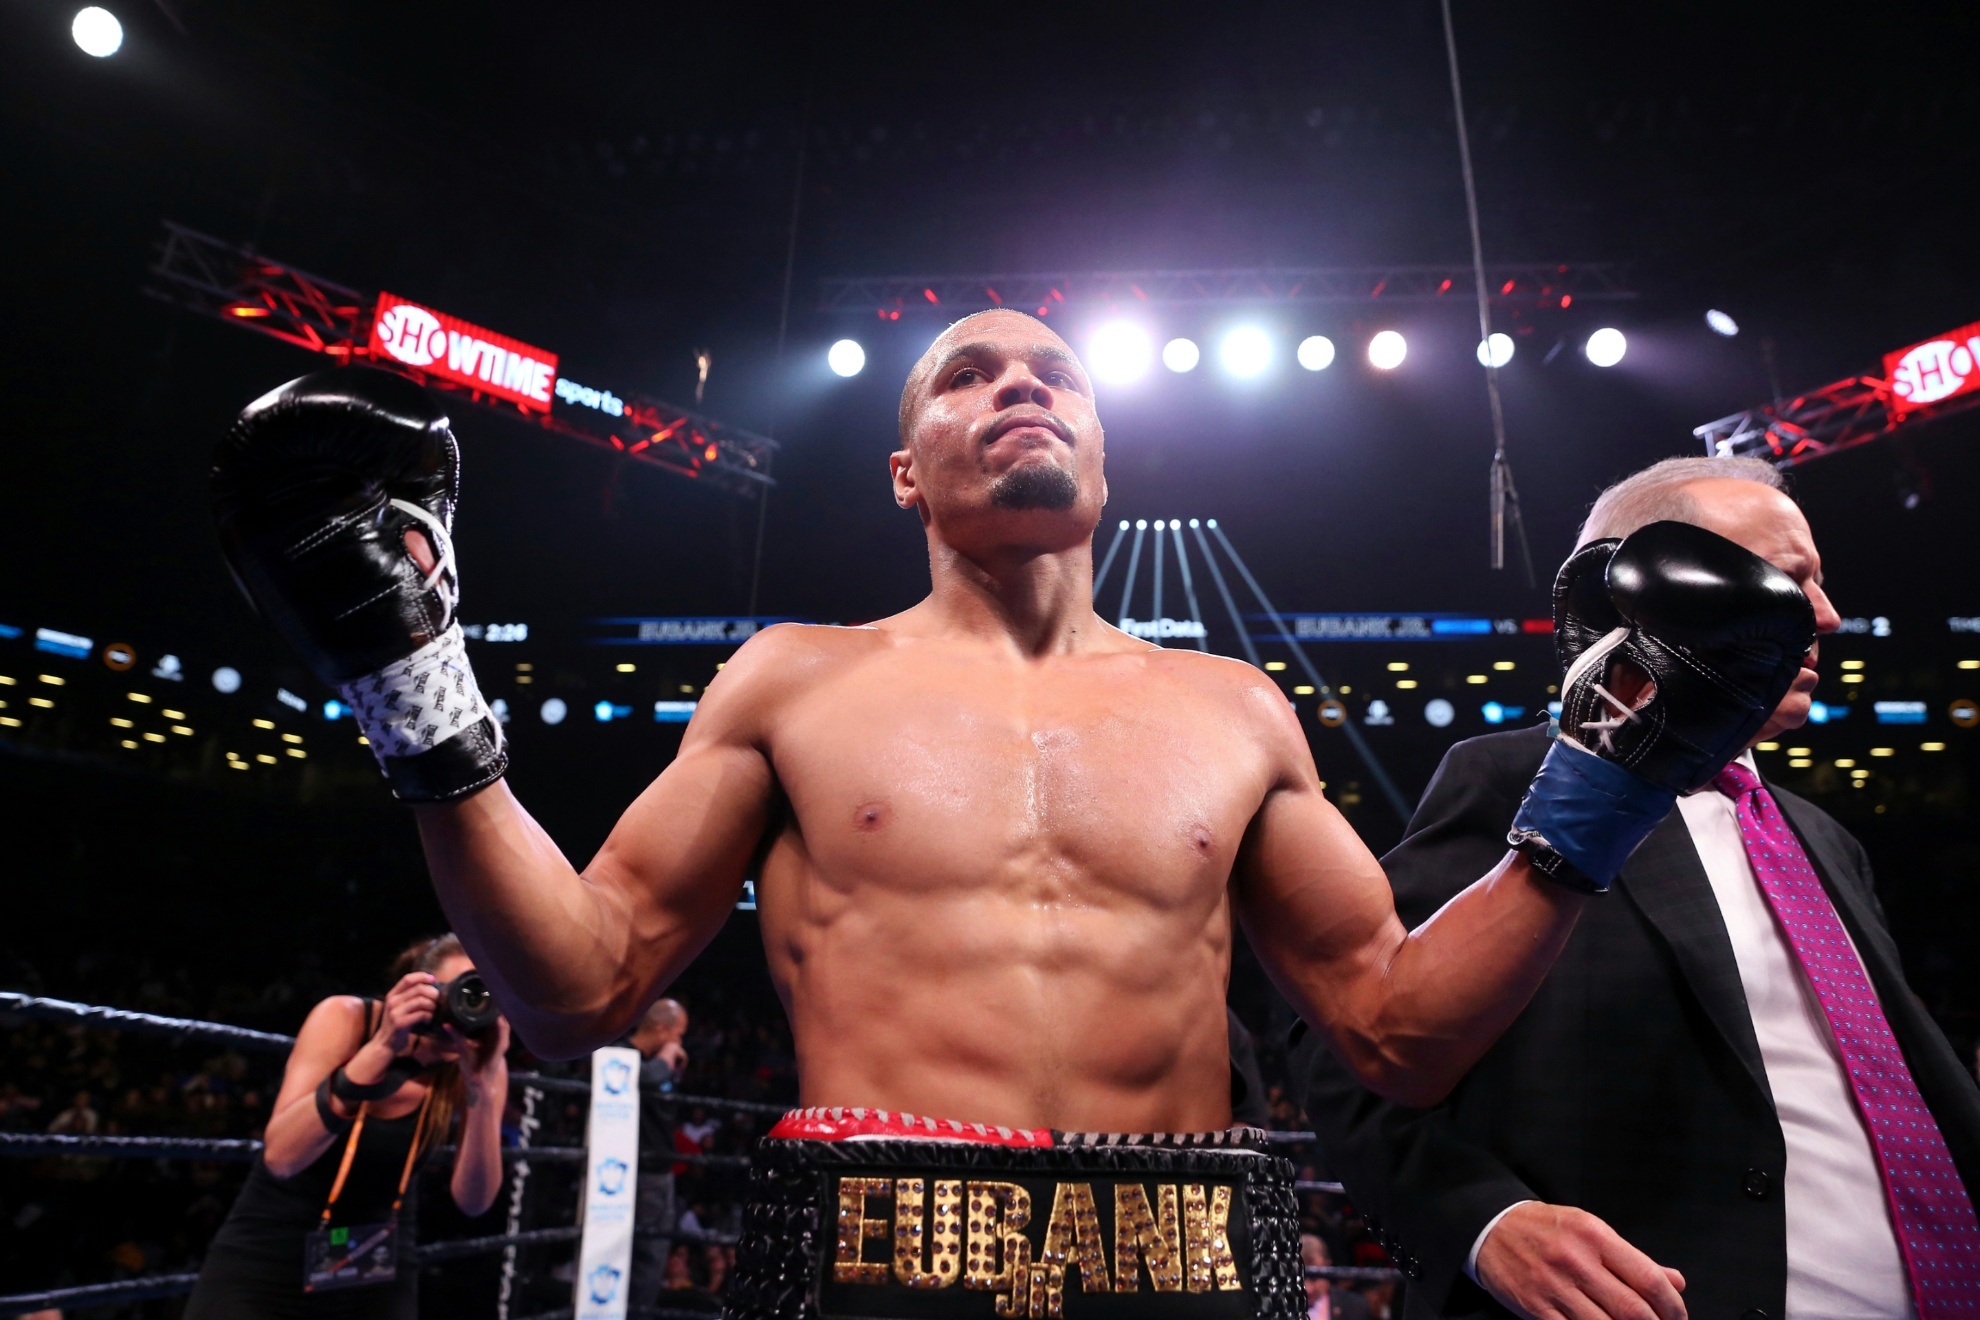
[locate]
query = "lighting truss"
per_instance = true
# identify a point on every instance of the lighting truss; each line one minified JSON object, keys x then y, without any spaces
{"x":242,"y":287}
{"x":1536,"y":284}
{"x":1851,"y":412}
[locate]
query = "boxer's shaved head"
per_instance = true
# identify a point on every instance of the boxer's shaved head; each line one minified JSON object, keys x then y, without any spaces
{"x":1000,"y":443}
{"x":949,"y":346}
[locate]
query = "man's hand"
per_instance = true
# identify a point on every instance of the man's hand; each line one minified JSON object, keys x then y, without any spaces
{"x":675,"y":1056}
{"x":1554,"y":1262}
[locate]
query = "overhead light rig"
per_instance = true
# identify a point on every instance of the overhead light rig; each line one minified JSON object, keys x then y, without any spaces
{"x":246,"y":289}
{"x":1933,"y":379}
{"x":1533,"y":284}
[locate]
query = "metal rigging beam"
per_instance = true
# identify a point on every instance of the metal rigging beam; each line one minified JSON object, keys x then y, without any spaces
{"x":1534,"y":284}
{"x":237,"y":285}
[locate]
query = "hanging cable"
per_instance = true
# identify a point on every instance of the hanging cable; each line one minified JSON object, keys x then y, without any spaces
{"x":1504,"y":498}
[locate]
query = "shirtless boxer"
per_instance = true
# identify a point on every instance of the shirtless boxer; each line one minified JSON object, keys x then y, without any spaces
{"x":1002,"y":846}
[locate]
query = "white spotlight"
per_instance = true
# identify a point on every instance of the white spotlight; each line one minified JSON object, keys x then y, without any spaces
{"x":1140,"y":524}
{"x":1721,"y":323}
{"x":1495,"y":351}
{"x":1180,"y":355}
{"x":1606,"y":346}
{"x":1119,"y":353}
{"x":1316,"y":352}
{"x":846,"y":358}
{"x":97,"y":31}
{"x":1246,"y":351}
{"x":1387,"y":350}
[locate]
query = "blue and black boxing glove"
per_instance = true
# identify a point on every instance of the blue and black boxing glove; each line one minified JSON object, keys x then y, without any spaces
{"x":1677,"y":644}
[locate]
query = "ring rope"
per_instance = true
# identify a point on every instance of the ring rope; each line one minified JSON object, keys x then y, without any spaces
{"x":172,"y":1285}
{"x":99,"y":1294}
{"x":28,"y":1145}
{"x":41,"y":1009}
{"x":124,"y":1019}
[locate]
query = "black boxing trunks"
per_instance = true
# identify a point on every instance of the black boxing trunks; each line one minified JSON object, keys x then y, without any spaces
{"x":863,"y":1214}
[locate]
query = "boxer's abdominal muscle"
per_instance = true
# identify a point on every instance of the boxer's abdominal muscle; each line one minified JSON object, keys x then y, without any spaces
{"x":1001,"y":893}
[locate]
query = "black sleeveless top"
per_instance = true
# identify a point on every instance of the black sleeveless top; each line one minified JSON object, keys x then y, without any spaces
{"x":257,"y":1256}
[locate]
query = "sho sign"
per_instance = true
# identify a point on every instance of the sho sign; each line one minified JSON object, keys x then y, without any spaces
{"x":1936,"y":370}
{"x":463,"y":354}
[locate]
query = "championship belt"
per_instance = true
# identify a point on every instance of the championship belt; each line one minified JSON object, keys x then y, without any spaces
{"x":896,"y":1218}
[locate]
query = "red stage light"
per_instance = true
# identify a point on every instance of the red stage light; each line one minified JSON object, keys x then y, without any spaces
{"x":1566,"y":299}
{"x":1044,"y":311}
{"x":929,"y":294}
{"x":1445,"y":287}
{"x":993,"y":295}
{"x":1507,"y":287}
{"x":247,"y":309}
{"x":710,"y":453}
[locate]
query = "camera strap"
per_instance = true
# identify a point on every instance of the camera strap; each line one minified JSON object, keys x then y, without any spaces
{"x":350,"y":1154}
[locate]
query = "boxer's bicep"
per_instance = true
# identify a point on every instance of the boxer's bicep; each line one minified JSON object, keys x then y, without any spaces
{"x":674,"y":864}
{"x":676,"y":861}
{"x":1315,"y":904}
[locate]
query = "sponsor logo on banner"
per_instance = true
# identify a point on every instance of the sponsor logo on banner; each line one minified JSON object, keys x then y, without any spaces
{"x":1936,"y":370}
{"x":463,"y":354}
{"x":603,"y":1284}
{"x":612,"y":1143}
{"x":1155,"y":630}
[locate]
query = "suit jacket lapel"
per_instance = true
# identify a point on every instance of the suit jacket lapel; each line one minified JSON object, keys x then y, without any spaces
{"x":1667,"y":882}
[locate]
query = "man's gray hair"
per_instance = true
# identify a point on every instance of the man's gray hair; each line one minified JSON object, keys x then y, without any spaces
{"x":1657,"y":493}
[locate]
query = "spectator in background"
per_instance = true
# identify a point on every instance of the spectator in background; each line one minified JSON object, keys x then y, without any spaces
{"x":1323,"y":1300}
{"x":662,"y":1059}
{"x":80,"y":1119}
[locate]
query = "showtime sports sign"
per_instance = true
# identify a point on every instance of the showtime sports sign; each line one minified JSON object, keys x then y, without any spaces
{"x":1936,"y":370}
{"x":451,"y":349}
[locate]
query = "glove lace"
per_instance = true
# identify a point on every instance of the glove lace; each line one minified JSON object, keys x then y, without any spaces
{"x":1624,"y":714}
{"x":443,"y":554}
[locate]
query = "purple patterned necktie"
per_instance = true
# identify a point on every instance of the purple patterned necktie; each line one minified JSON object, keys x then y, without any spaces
{"x":1936,"y":1229}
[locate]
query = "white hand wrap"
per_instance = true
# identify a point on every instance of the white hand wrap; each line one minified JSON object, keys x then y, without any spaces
{"x":415,"y":704}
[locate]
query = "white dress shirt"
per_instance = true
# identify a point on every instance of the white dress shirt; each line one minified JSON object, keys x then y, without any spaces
{"x":1842,"y":1252}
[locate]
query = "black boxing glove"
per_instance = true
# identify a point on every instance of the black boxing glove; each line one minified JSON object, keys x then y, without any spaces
{"x":314,"y":489}
{"x":1718,"y":633}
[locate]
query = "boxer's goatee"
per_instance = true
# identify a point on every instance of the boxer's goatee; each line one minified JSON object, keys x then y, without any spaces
{"x":1035,"y":487}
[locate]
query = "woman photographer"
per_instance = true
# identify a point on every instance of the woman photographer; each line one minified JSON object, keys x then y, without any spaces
{"x":371,"y":1088}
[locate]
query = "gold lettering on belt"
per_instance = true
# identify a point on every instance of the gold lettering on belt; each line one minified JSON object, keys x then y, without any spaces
{"x":1207,"y":1234}
{"x":940,"y":1242}
{"x":1018,"y":1272}
{"x":998,"y":1252}
{"x":1039,"y":1294}
{"x":1141,"y":1237}
{"x":850,"y":1265}
{"x":1072,"y":1237}
{"x":1223,"y":1262}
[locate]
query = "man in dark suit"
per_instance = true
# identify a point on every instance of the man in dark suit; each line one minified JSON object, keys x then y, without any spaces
{"x":1681,"y":1105}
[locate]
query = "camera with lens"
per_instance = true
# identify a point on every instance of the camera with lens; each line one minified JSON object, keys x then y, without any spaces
{"x":466,"y":1005}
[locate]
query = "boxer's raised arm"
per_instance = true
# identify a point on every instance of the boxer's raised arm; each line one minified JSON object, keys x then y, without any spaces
{"x":574,"y":956}
{"x":1408,"y":1011}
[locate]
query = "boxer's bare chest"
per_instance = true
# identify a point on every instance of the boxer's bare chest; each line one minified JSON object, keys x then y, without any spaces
{"x":1064,"y":779}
